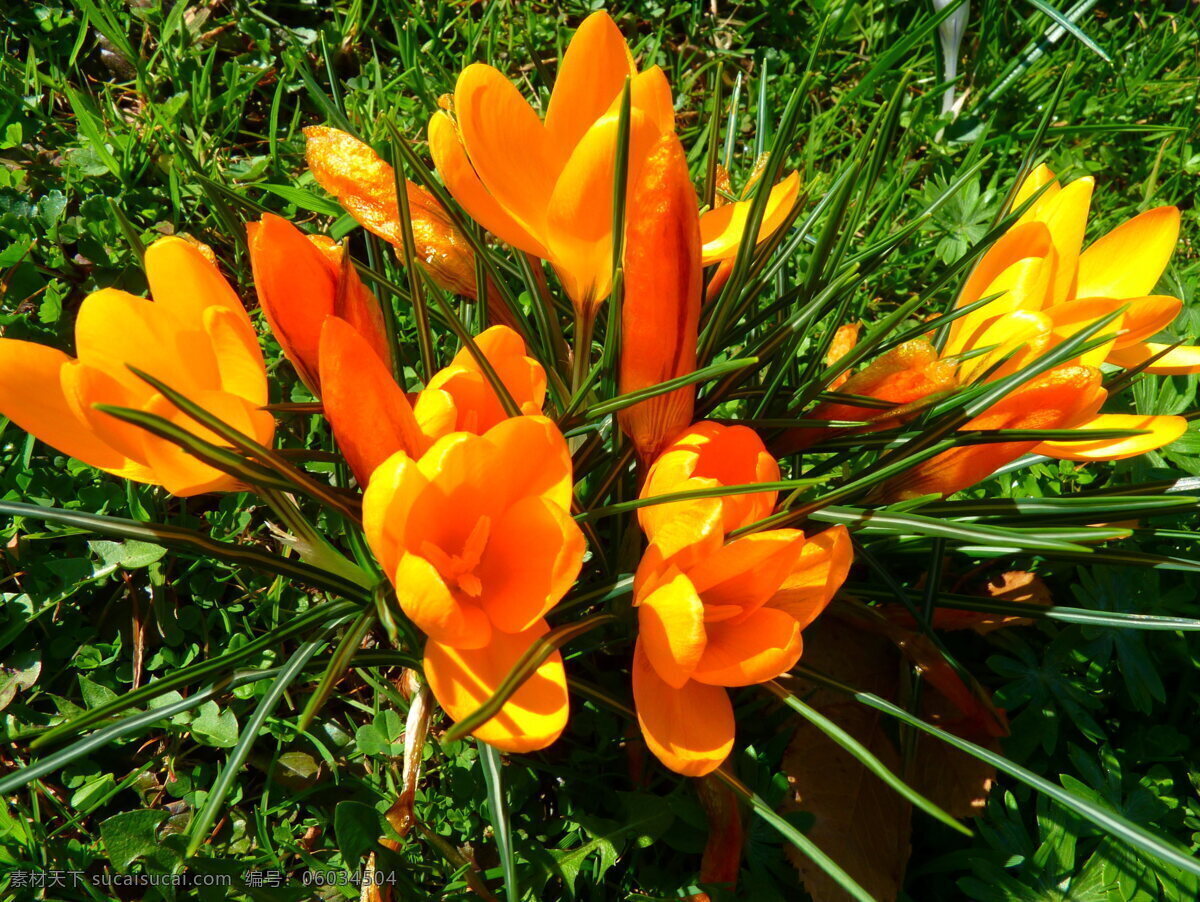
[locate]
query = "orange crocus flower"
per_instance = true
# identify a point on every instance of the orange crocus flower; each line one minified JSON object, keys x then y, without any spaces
{"x":660,"y":310}
{"x":714,"y":613}
{"x":372,"y":417}
{"x":194,"y":336}
{"x":477,"y":537}
{"x":706,"y":456}
{"x":365,"y":185}
{"x":303,"y":279}
{"x":1042,"y":272}
{"x":546,"y":186}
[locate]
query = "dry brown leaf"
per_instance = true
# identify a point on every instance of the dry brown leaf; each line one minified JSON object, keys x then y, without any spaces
{"x":951,"y":779}
{"x":858,"y":821}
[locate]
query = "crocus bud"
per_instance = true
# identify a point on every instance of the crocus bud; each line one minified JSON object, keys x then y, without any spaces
{"x":300,"y":281}
{"x":661,"y":308}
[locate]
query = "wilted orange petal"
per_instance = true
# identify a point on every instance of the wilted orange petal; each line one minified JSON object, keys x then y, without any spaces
{"x":532,"y":558}
{"x":1162,"y":430}
{"x":369,"y":413}
{"x":689,"y":729}
{"x":1127,"y":262}
{"x":721,"y":228}
{"x":462,"y":680}
{"x":824,"y":563}
{"x":661,"y":305}
{"x":591,"y":74}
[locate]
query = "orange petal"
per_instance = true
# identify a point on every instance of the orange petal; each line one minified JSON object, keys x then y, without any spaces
{"x":1022,"y":333}
{"x":184,"y":280}
{"x":32,"y":396}
{"x":477,"y":406}
{"x":239,"y":359}
{"x":390,"y":501}
{"x":1146,"y":317}
{"x":297,"y":289}
{"x":592,"y":73}
{"x":462,"y":680}
{"x":1179,"y":361}
{"x":450,"y":158}
{"x":650,"y":92}
{"x":532,"y":558}
{"x":369,"y":413}
{"x":1162,"y":430}
{"x":744,"y":652}
{"x":1070,"y":317}
{"x":115,"y":329}
{"x":534,"y":459}
{"x":661,"y":306}
{"x":671,"y":628}
{"x":85,"y":388}
{"x":1127,"y":262}
{"x":510,"y":150}
{"x":747,"y":572}
{"x":580,"y":214}
{"x":435,"y":608}
{"x":721,"y":229}
{"x":356,"y":305}
{"x":824,"y":563}
{"x":689,"y":729}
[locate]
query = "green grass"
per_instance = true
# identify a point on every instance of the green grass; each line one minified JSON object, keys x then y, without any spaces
{"x":119,"y":124}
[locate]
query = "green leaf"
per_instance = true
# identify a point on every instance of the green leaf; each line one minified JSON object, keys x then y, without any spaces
{"x":132,"y":835}
{"x":215,"y":727}
{"x":357,"y":828}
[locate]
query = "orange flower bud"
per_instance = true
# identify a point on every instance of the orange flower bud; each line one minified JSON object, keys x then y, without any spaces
{"x":661,"y":308}
{"x":300,"y":281}
{"x":365,"y":185}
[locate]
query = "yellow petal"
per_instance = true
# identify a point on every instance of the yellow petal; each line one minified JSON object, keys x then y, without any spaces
{"x":824,"y":563}
{"x":395,"y":486}
{"x":435,"y":608}
{"x":721,"y":229}
{"x":462,"y":680}
{"x":650,"y":92}
{"x":506,"y":143}
{"x":748,"y":571}
{"x":1127,"y":262}
{"x":1074,"y":316}
{"x":240,"y":365}
{"x":1179,"y":361}
{"x":450,"y":158}
{"x":32,"y":396}
{"x":671,"y":628}
{"x":1161,"y":430}
{"x":591,"y":74}
{"x":182,"y":279}
{"x":1066,"y":217}
{"x":1040,"y":175}
{"x":689,"y":729}
{"x":1021,"y":331}
{"x":580,"y":216}
{"x":1146,"y":317}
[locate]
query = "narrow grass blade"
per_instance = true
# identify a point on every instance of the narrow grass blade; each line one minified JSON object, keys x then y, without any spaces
{"x":493,"y":777}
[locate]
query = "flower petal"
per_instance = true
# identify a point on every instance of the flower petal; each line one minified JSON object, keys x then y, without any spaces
{"x":463,"y":679}
{"x":391,"y":499}
{"x":434,"y":607}
{"x":1179,"y":361}
{"x":297,"y":288}
{"x":591,"y":74}
{"x":1066,"y":216}
{"x":532,"y":558}
{"x":747,"y":571}
{"x":579,"y":218}
{"x":1127,"y":262}
{"x":185,"y":281}
{"x":1162,"y":430}
{"x":671,"y":628}
{"x":477,"y":406}
{"x":510,"y":150}
{"x":239,"y":358}
{"x":32,"y":396}
{"x":369,"y":413}
{"x":743,"y":652}
{"x":689,"y":729}
{"x":1146,"y":317}
{"x":450,"y":158}
{"x":721,"y":228}
{"x":824,"y":563}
